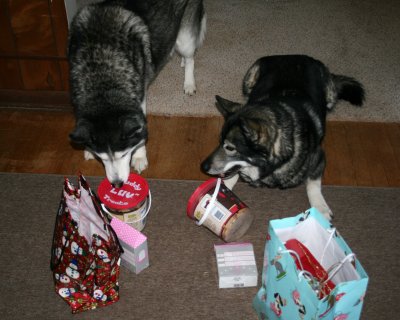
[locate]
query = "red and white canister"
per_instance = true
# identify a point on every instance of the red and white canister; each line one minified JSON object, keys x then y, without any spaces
{"x":216,"y":207}
{"x":131,"y":203}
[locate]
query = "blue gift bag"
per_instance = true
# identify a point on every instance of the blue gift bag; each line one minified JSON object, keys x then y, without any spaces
{"x":288,"y":292}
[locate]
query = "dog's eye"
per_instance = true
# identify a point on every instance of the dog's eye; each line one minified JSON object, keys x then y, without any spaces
{"x":230,"y":150}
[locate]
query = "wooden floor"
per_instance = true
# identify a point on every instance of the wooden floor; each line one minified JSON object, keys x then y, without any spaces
{"x":358,"y":154}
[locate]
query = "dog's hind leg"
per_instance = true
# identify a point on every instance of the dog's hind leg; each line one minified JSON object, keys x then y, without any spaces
{"x":187,"y":42}
{"x":316,"y":198}
{"x":139,"y":159}
{"x":185,"y":45}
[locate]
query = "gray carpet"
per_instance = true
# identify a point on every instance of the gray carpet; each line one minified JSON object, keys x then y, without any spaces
{"x":181,"y":282}
{"x":356,"y":38}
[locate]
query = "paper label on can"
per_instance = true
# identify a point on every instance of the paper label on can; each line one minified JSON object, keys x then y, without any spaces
{"x":136,"y":215}
{"x":217,"y":217}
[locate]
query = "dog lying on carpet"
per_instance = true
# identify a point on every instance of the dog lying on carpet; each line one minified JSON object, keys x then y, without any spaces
{"x":116,"y":48}
{"x":275,"y":138}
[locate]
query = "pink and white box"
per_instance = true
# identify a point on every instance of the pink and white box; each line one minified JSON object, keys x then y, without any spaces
{"x":135,"y":257}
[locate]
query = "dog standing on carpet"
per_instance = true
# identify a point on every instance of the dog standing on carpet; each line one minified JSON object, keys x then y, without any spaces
{"x":116,"y":48}
{"x":275,"y":138}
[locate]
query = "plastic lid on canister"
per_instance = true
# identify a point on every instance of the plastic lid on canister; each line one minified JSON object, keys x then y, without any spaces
{"x":132,"y":193}
{"x":198,"y":194}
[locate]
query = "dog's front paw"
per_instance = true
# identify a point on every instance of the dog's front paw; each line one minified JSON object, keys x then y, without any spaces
{"x":88,"y":155}
{"x":139,"y":160}
{"x":328,"y":214}
{"x":189,"y":88}
{"x":139,"y":163}
{"x":231,"y":182}
{"x":316,"y":199}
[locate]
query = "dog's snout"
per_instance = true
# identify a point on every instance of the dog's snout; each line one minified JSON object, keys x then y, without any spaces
{"x":117,"y":184}
{"x":205,"y":166}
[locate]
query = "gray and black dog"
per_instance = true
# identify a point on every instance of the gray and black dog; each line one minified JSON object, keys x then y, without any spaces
{"x":116,"y":48}
{"x":275,"y":138}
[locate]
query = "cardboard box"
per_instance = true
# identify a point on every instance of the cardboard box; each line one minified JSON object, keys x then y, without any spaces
{"x":236,"y":265}
{"x":135,"y":257}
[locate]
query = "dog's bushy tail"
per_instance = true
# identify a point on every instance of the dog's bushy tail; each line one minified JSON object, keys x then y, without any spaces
{"x":349,"y":89}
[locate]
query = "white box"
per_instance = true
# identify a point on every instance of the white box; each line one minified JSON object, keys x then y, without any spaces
{"x":236,"y":265}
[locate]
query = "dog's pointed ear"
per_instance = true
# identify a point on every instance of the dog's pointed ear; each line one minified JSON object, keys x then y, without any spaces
{"x":251,"y":78}
{"x":254,"y":131}
{"x":81,"y":133}
{"x":226,"y":107}
{"x":132,"y":125}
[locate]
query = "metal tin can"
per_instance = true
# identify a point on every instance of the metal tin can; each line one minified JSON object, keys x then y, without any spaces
{"x":130,"y":203}
{"x":216,"y":207}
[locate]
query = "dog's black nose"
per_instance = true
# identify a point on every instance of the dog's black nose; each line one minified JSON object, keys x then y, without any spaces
{"x":117,"y":184}
{"x":205,"y":166}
